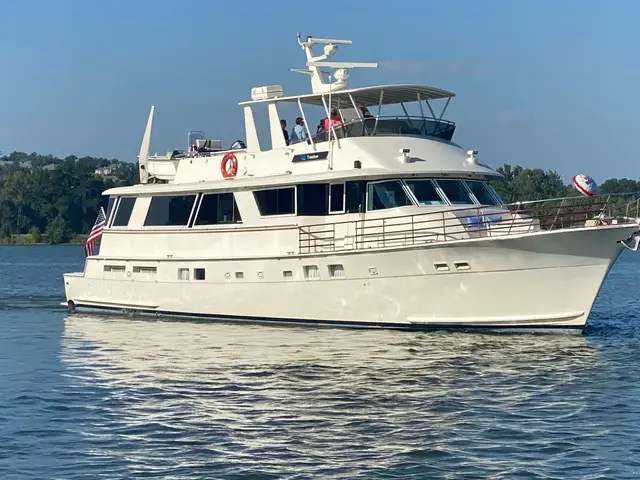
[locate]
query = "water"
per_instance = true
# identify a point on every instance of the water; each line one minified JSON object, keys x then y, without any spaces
{"x":95,"y":397}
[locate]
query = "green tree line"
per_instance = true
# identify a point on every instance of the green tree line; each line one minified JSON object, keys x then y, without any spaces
{"x":54,"y":200}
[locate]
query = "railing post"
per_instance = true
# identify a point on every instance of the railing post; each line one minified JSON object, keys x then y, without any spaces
{"x":413,"y":233}
{"x":444,"y":227}
{"x":557,"y":213}
{"x":383,"y":239}
{"x":334,"y":236}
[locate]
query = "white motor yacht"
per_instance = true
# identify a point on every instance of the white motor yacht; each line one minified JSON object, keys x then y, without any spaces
{"x":374,"y":218}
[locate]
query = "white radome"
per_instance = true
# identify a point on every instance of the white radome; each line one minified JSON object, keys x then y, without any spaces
{"x":585,"y":184}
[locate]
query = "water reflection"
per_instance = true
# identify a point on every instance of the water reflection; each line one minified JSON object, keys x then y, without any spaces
{"x":285,"y":401}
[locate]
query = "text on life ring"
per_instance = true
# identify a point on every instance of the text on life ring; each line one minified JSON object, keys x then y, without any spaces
{"x":229,"y":165}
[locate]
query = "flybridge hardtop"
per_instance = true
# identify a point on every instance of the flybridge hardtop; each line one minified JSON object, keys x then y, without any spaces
{"x":367,"y":96}
{"x":345,"y":131}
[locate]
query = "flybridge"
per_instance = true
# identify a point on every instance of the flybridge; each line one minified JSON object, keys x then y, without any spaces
{"x":346,"y":111}
{"x":331,"y":113}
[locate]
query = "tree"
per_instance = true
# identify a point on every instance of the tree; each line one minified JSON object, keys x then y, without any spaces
{"x":60,"y":197}
{"x":521,"y":184}
{"x":36,"y":235}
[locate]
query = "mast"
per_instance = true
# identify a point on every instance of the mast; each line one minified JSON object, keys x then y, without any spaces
{"x":341,"y":74}
{"x":144,"y":149}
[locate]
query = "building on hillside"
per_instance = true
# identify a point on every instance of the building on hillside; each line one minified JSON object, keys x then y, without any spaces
{"x":106,"y":172}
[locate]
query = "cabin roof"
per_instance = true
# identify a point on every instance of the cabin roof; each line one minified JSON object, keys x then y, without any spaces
{"x":367,"y":96}
{"x":288,"y":179}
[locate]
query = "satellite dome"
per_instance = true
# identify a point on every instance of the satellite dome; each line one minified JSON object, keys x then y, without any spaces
{"x":585,"y":184}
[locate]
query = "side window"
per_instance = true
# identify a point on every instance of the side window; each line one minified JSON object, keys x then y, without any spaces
{"x":313,"y":199}
{"x":336,"y":198}
{"x":389,"y":194}
{"x":425,"y":192}
{"x":112,"y":201}
{"x":123,"y":213}
{"x":481,"y":192}
{"x":455,"y":192}
{"x":169,"y":211}
{"x":355,"y":195}
{"x":279,"y":201}
{"x":217,"y":208}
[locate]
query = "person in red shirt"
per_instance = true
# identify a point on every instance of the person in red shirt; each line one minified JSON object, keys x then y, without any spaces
{"x":336,"y":121}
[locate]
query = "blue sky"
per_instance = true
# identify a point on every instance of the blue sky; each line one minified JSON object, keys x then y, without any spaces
{"x":545,"y":83}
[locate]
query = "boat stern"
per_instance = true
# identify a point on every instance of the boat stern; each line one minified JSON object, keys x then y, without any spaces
{"x":71,"y":281}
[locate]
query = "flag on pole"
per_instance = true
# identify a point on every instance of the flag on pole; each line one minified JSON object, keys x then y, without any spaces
{"x":95,"y":233}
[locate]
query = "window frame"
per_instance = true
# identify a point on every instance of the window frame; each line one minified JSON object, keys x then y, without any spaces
{"x":464,"y":186}
{"x":486,"y":187}
{"x":192,"y":220}
{"x":494,"y":193}
{"x":407,"y":192}
{"x":115,"y":212}
{"x":204,"y":274}
{"x":171,"y":227}
{"x":344,"y":198}
{"x":297,"y":198}
{"x":278,"y":215}
{"x":435,"y":186}
{"x":115,"y":199}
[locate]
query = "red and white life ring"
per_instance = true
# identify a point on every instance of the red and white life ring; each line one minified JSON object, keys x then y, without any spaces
{"x":229,"y":165}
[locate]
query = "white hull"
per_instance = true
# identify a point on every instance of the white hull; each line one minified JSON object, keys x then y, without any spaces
{"x":542,"y":280}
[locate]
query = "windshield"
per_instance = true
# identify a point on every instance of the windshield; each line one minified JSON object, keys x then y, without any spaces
{"x":388,"y":194}
{"x":495,"y":194}
{"x":455,"y":192}
{"x":481,"y":192}
{"x":425,"y":192}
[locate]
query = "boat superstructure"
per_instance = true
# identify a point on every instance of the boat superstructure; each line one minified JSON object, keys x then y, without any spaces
{"x":369,"y":215}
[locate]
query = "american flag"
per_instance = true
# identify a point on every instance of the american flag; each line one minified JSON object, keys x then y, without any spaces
{"x":95,"y":233}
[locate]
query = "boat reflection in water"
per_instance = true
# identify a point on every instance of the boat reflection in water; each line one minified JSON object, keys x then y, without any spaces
{"x":244,"y":398}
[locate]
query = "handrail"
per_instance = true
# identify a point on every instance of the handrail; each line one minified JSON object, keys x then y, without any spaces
{"x":468,"y":222}
{"x":359,"y":127}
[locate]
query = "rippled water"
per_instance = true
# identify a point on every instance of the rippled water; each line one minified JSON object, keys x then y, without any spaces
{"x":116,"y":397}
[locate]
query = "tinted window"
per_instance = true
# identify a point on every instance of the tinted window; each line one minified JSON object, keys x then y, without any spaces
{"x":125,"y":207}
{"x":112,"y":201}
{"x":481,"y":192}
{"x":218,"y":208}
{"x":386,"y":195}
{"x":455,"y":192}
{"x":313,"y":199}
{"x":495,"y":194}
{"x":169,"y":211}
{"x":425,"y":192}
{"x":198,"y":274}
{"x":355,"y":196}
{"x":337,"y":197}
{"x":275,"y":202}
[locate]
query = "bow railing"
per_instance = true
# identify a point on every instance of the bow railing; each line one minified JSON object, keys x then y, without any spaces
{"x":442,"y":225}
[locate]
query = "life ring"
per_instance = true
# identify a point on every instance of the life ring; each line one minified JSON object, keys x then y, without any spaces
{"x":229,"y":165}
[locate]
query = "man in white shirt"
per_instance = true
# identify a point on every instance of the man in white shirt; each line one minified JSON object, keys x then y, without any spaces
{"x":299,"y":133}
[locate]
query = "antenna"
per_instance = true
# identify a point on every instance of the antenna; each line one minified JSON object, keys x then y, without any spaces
{"x":341,"y":74}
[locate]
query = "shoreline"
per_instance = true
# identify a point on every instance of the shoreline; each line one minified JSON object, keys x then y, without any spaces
{"x":5,"y":243}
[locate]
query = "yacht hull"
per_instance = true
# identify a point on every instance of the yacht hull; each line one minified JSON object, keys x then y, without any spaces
{"x":546,"y":280}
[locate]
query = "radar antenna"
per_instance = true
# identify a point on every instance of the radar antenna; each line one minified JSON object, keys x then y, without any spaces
{"x":341,"y":73}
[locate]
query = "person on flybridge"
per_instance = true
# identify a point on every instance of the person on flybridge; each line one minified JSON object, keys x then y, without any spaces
{"x":334,"y":120}
{"x":283,"y":124}
{"x":299,"y":133}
